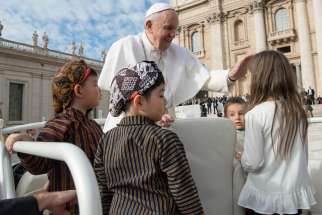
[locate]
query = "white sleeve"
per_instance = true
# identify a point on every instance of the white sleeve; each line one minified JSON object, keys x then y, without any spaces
{"x":111,"y":66}
{"x":217,"y":81}
{"x":253,"y":155}
{"x":189,"y":77}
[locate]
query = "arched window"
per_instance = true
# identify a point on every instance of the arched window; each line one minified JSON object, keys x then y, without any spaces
{"x":195,"y":42}
{"x":239,"y":31}
{"x":281,"y":20}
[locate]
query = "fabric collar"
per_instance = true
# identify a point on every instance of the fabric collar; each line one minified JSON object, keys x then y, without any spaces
{"x":136,"y":120}
{"x":75,"y":115}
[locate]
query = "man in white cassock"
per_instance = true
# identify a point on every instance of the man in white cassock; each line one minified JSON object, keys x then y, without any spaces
{"x":183,"y":72}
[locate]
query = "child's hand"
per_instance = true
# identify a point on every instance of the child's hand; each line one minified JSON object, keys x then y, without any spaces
{"x":13,"y":138}
{"x":166,"y":120}
{"x":238,"y":156}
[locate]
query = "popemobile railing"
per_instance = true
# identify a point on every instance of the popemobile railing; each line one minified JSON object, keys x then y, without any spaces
{"x":81,"y":170}
{"x":315,"y":120}
{"x":76,"y":160}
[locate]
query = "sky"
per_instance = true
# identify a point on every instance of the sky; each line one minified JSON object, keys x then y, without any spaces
{"x":95,"y":23}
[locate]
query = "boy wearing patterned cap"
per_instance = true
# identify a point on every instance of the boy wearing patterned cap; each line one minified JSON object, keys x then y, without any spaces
{"x":140,"y":167}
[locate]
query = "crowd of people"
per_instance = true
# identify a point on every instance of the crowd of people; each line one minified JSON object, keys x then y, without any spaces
{"x":142,"y":168}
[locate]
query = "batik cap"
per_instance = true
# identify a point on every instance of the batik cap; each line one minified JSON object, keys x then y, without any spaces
{"x":130,"y":82}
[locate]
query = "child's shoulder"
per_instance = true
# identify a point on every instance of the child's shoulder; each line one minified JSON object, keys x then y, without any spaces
{"x":154,"y":131}
{"x":165,"y":134}
{"x":263,"y":108}
{"x":94,"y":123}
{"x":55,"y":129}
{"x":59,"y":119}
{"x":59,"y":123}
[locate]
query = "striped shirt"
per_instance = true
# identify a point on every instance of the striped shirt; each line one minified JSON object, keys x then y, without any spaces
{"x":142,"y":169}
{"x":71,"y":126}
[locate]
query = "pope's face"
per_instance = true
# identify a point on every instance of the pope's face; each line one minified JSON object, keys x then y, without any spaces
{"x":163,"y":29}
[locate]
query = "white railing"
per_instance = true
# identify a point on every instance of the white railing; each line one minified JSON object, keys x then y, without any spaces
{"x":35,"y":125}
{"x":81,"y":170}
{"x":88,"y":194}
{"x":18,"y":128}
{"x":315,"y":120}
{"x":7,"y":189}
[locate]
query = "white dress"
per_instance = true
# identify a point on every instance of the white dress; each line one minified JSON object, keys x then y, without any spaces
{"x":273,"y":185}
{"x":183,"y":72}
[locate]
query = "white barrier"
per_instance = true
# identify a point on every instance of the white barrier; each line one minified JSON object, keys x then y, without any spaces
{"x":7,"y":189}
{"x":209,"y":145}
{"x":83,"y":175}
{"x":81,"y":170}
{"x":315,"y":120}
{"x":35,"y":125}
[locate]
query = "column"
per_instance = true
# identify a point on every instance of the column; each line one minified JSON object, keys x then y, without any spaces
{"x":317,"y":7}
{"x":305,"y":44}
{"x":216,"y":41}
{"x":299,"y":76}
{"x":259,"y":22}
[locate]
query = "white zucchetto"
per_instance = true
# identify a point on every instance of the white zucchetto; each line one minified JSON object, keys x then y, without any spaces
{"x":158,"y":7}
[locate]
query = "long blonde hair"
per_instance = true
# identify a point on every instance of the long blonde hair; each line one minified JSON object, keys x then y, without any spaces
{"x":274,"y":78}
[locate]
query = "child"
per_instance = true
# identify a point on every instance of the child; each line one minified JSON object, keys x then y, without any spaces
{"x":275,"y":148}
{"x":75,"y":93}
{"x":144,"y":165}
{"x":234,"y":110}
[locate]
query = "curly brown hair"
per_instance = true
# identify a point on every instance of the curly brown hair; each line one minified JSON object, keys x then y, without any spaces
{"x":64,"y":80}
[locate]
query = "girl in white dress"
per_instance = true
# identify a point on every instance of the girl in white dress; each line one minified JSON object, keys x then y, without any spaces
{"x":275,"y":149}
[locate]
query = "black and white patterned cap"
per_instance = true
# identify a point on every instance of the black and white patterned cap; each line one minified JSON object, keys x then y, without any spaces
{"x":132,"y":81}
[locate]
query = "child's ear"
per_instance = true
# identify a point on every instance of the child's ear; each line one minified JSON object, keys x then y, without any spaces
{"x":77,"y":90}
{"x":137,"y":101}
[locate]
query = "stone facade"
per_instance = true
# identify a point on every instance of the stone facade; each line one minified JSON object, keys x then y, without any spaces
{"x":227,"y":30}
{"x":29,"y":70}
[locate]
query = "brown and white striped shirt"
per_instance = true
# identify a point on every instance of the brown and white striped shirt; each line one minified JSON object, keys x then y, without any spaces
{"x":142,"y":169}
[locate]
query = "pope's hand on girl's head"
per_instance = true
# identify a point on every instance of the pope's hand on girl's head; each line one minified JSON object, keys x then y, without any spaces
{"x":240,"y":69}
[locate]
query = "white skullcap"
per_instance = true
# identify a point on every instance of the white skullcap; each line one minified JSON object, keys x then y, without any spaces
{"x":158,"y":7}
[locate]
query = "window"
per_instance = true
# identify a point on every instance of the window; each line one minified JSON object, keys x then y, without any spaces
{"x":281,"y":20}
{"x":15,"y":101}
{"x":195,"y":42}
{"x":239,"y":31}
{"x":285,"y":49}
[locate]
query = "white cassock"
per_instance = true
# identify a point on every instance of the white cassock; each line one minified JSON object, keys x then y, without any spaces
{"x":184,"y":74}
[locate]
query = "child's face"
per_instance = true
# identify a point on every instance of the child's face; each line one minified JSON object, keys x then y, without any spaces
{"x":236,"y":113}
{"x":91,"y":92}
{"x":154,"y":107}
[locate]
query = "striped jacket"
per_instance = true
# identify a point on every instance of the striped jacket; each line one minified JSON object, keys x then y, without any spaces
{"x":142,"y":169}
{"x":71,"y":126}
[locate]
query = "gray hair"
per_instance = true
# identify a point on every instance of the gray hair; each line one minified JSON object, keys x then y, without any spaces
{"x":153,"y":17}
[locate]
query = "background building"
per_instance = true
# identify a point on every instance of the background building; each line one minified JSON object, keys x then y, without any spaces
{"x":25,"y":80}
{"x":220,"y":32}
